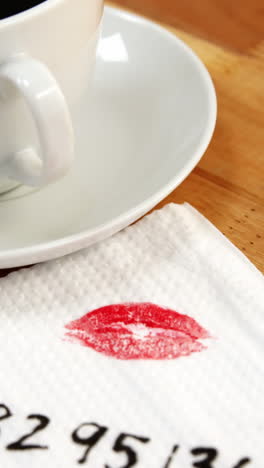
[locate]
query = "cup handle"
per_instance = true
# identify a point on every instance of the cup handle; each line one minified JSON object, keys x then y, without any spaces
{"x":52,"y":119}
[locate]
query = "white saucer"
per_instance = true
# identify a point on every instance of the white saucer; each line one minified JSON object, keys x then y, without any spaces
{"x":151,"y":116}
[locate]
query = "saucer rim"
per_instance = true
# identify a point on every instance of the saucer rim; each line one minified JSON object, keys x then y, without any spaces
{"x":46,"y":251}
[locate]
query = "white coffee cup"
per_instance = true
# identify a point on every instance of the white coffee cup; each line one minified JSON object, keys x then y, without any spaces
{"x":46,"y":60}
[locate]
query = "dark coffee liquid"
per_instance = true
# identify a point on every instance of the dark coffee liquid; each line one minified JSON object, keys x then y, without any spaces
{"x":12,"y":7}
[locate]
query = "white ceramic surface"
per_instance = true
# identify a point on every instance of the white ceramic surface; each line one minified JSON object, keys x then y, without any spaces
{"x":46,"y":58}
{"x":148,"y":121}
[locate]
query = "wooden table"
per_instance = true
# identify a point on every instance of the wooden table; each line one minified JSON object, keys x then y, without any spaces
{"x":227,"y":186}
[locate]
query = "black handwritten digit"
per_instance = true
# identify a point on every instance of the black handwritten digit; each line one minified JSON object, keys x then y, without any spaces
{"x":19,"y":444}
{"x":171,"y":456}
{"x":120,"y":446}
{"x":90,"y":441}
{"x":245,"y":461}
{"x":4,"y":412}
{"x":210,"y":456}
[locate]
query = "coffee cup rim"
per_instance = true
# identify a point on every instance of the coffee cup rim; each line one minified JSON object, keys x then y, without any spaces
{"x":29,"y":13}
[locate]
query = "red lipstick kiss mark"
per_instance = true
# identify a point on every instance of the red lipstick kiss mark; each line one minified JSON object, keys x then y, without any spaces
{"x":138,"y":331}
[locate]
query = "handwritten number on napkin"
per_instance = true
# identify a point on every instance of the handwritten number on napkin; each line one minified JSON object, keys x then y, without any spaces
{"x":19,"y":444}
{"x":210,"y":456}
{"x":120,"y":446}
{"x":170,"y":459}
{"x":243,"y":462}
{"x":90,"y":441}
{"x":4,"y":412}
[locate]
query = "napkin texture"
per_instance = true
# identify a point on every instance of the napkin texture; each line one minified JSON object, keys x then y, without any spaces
{"x":207,"y":406}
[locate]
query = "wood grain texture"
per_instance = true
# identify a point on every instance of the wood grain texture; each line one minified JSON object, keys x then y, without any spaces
{"x":236,"y":24}
{"x":227,"y":186}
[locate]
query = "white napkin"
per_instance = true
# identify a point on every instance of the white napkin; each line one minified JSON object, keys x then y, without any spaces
{"x":150,"y":413}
